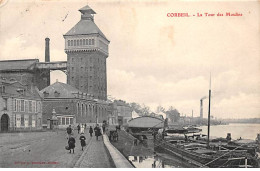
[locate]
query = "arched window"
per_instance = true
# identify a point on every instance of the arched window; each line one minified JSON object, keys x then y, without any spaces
{"x":86,"y":109}
{"x":89,"y":41}
{"x":93,"y":41}
{"x":78,"y":109}
{"x":82,"y":108}
{"x":80,"y":42}
{"x":84,"y":41}
{"x":74,"y":42}
{"x":68,"y":42}
{"x":77,"y":42}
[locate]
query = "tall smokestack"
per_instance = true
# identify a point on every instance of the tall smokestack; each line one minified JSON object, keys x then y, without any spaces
{"x":201,"y":108}
{"x":47,"y":49}
{"x":47,"y":59}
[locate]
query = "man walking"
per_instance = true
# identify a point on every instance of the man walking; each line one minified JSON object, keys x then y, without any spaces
{"x":78,"y":127}
{"x":69,"y":131}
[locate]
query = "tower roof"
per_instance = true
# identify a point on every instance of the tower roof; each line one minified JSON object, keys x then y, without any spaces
{"x":86,"y":25}
{"x":87,"y":10}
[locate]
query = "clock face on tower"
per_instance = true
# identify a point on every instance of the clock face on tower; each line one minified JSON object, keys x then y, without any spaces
{"x":87,"y":49}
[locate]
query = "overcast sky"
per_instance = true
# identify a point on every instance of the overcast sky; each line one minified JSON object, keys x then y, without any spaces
{"x":153,"y":59}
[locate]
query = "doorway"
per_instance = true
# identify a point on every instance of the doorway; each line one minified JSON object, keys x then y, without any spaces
{"x":4,"y":123}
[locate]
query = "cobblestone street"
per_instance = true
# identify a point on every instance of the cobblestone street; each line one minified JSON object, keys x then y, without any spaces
{"x":95,"y":155}
{"x":47,"y":149}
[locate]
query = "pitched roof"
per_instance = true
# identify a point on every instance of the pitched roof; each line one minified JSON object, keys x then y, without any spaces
{"x":87,"y":9}
{"x":63,"y":91}
{"x":85,"y":27}
{"x":24,"y":64}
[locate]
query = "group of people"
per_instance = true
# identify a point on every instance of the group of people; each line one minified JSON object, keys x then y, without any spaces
{"x":71,"y":140}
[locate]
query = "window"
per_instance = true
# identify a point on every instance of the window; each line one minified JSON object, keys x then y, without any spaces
{"x":30,"y":106}
{"x":15,"y":108}
{"x":30,"y":120}
{"x":63,"y":121}
{"x":84,"y":41}
{"x":22,"y":120}
{"x":19,"y":105}
{"x":82,"y":107}
{"x":59,"y":120}
{"x":33,"y":106}
{"x":71,"y":121}
{"x":67,"y":121}
{"x":93,"y":41}
{"x":80,"y":42}
{"x":77,"y":42}
{"x":89,"y":41}
{"x":22,"y":106}
{"x":68,"y":42}
{"x":74,"y":42}
{"x":39,"y":107}
{"x":78,"y":109}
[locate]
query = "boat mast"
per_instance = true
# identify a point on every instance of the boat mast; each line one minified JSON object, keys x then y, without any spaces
{"x":209,"y":110}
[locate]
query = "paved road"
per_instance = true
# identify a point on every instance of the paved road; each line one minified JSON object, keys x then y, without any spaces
{"x":95,"y":155}
{"x":38,"y":149}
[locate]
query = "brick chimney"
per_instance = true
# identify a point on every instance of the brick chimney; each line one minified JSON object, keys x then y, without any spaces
{"x":47,"y":49}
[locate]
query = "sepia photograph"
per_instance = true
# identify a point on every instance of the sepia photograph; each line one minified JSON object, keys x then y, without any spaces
{"x":129,"y":84}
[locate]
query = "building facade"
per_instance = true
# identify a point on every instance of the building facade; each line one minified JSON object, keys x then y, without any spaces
{"x":72,"y":106}
{"x":87,"y":49}
{"x":20,"y":107}
{"x":124,"y":111}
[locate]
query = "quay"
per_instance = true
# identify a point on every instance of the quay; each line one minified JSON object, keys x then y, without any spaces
{"x":47,"y":150}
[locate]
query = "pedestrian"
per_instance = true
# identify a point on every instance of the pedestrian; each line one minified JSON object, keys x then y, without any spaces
{"x":91,"y":131}
{"x":85,"y":126}
{"x":78,"y":127}
{"x":82,"y":128}
{"x":82,"y":140}
{"x":104,"y":127}
{"x":69,"y":131}
{"x":71,"y":143}
{"x":97,"y":131}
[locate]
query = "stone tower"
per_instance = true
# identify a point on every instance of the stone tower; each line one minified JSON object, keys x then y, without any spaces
{"x":87,"y":49}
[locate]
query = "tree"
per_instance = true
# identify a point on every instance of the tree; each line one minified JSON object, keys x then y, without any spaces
{"x":173,"y":114}
{"x":160,"y":109}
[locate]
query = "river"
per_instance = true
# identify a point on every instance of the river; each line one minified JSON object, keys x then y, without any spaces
{"x":245,"y":131}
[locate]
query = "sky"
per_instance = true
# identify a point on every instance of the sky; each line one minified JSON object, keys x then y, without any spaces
{"x":153,"y":59}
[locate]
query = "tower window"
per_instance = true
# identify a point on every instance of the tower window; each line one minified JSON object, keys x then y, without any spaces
{"x":74,"y":42}
{"x":93,"y":41}
{"x":89,"y":41}
{"x":77,"y":42}
{"x":84,"y":41}
{"x":80,"y":42}
{"x":68,"y":42}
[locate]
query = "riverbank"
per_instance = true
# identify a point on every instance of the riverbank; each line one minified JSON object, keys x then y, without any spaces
{"x":145,"y":157}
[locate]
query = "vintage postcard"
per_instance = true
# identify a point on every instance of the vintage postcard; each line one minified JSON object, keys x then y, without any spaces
{"x":129,"y":84}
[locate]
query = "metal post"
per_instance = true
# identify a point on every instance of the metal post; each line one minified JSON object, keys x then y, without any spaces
{"x":209,"y":111}
{"x":245,"y":162}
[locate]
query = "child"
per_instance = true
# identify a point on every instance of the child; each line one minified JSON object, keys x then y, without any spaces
{"x":90,"y":131}
{"x":82,"y":139}
{"x":71,"y":143}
